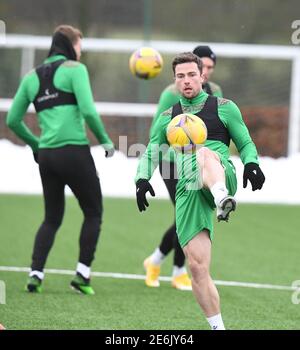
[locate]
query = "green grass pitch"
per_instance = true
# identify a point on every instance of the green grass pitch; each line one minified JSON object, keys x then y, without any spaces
{"x":260,"y":244}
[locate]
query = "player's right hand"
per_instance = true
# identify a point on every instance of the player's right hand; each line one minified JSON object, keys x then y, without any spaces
{"x":142,"y":187}
{"x":109,"y":153}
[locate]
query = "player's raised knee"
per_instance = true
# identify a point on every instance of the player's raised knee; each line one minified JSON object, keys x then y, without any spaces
{"x":204,"y":154}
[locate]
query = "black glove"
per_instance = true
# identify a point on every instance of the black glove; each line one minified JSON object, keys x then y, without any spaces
{"x":253,"y":173}
{"x":142,"y":187}
{"x":36,"y":157}
{"x":109,"y":153}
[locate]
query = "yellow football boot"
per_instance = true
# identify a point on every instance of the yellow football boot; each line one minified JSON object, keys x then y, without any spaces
{"x":152,"y":273}
{"x":182,"y":282}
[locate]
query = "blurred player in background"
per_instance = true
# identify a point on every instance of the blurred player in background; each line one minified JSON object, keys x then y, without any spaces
{"x":167,"y":167}
{"x":207,"y":178}
{"x":61,"y":93}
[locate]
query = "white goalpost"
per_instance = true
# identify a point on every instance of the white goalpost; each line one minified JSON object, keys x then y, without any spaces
{"x":29,"y":44}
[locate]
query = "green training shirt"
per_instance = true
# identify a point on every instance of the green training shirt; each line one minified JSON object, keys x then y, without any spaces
{"x":60,"y":125}
{"x":229,"y":115}
{"x":168,"y":98}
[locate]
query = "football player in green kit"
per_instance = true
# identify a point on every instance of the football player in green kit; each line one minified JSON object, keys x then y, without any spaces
{"x":206,"y":178}
{"x":169,"y":97}
{"x":61,"y":93}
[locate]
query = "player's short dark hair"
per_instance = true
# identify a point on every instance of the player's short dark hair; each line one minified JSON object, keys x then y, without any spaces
{"x":187,"y":57}
{"x":72,"y":33}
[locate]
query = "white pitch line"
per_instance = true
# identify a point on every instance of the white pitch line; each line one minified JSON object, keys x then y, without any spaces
{"x":142,"y":277}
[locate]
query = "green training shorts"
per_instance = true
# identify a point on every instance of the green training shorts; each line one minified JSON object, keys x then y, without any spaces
{"x":195,"y":208}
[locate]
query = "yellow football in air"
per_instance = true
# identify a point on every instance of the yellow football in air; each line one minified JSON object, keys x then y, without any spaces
{"x":146,"y":63}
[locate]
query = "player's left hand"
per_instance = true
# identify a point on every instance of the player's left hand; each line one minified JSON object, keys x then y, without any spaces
{"x":254,"y":174}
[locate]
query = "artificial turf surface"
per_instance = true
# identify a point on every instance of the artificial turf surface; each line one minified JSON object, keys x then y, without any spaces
{"x":260,"y":244}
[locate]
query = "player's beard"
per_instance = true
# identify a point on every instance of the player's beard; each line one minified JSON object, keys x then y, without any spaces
{"x":191,"y":94}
